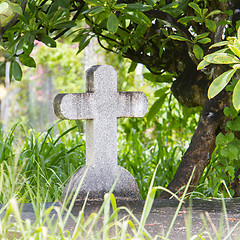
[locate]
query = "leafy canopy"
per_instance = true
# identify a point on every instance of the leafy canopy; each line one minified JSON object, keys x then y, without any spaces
{"x":164,"y":35}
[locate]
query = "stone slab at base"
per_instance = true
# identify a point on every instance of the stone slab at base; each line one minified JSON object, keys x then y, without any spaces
{"x":159,"y":219}
{"x":99,"y":181}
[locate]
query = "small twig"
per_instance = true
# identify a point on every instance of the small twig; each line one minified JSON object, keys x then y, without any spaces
{"x":165,"y":16}
{"x":101,"y":45}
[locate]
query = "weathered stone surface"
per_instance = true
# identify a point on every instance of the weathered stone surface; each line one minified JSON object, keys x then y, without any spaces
{"x":100,"y":106}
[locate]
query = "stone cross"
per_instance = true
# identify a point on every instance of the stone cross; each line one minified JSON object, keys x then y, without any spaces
{"x":100,"y":106}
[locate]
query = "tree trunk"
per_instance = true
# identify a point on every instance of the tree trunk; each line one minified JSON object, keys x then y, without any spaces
{"x":202,"y":144}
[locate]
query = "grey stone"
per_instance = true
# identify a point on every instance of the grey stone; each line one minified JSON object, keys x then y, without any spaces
{"x":100,"y":106}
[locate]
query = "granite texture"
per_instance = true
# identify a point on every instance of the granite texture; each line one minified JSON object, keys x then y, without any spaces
{"x":100,"y":106}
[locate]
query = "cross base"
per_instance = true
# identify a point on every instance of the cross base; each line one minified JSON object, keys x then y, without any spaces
{"x":100,"y":181}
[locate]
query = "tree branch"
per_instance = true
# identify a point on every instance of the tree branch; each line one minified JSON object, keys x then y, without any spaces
{"x":165,"y":16}
{"x":14,"y":20}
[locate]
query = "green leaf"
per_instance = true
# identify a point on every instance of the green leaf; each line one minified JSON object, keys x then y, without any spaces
{"x":225,"y":58}
{"x":144,"y":18}
{"x":219,"y":44}
{"x":63,"y":3}
{"x":27,"y":60}
{"x":158,"y":78}
{"x":93,"y":2}
{"x":17,"y":71}
{"x":155,"y":107}
{"x":198,"y":52}
{"x":202,"y":64}
{"x":120,"y":6}
{"x":214,"y":12}
{"x":3,"y":7}
{"x":211,"y":25}
{"x":234,"y":125}
{"x":235,"y":47}
{"x":230,"y":111}
{"x":179,"y":38}
{"x":224,"y":139}
{"x":48,"y":41}
{"x":83,"y":43}
{"x":211,"y":58}
{"x":200,"y":36}
{"x":231,"y":170}
{"x":195,"y":7}
{"x":161,"y":92}
{"x":230,"y":151}
{"x":138,"y":6}
{"x":220,"y":83}
{"x":205,"y":40}
{"x":132,"y":67}
{"x":186,"y":19}
{"x":96,"y":10}
{"x":112,"y":23}
{"x":15,"y":8}
{"x":236,"y":96}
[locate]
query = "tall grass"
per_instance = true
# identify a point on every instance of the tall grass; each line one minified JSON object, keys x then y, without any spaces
{"x":45,"y":161}
{"x":42,"y":159}
{"x":35,"y":167}
{"x":106,"y":223}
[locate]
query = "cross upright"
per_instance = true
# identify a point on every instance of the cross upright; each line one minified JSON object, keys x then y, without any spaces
{"x":100,"y":106}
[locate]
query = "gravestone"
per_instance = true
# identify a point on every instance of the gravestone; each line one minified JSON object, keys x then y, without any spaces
{"x":100,"y":106}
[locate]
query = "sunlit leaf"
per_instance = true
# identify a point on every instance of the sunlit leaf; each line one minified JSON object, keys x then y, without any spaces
{"x":225,"y":58}
{"x":202,"y":64}
{"x":236,"y":96}
{"x":195,"y":7}
{"x":235,"y":47}
{"x":179,"y":38}
{"x":238,"y":34}
{"x":120,"y":6}
{"x":236,"y":66}
{"x":220,"y":83}
{"x":214,"y":12}
{"x":15,"y":7}
{"x":219,"y":44}
{"x":3,"y":7}
{"x":211,"y":58}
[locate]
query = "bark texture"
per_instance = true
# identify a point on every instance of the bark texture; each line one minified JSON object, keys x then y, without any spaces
{"x":202,"y":144}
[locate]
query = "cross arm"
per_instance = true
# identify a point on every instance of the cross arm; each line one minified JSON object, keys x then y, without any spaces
{"x":132,"y":104}
{"x":73,"y":106}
